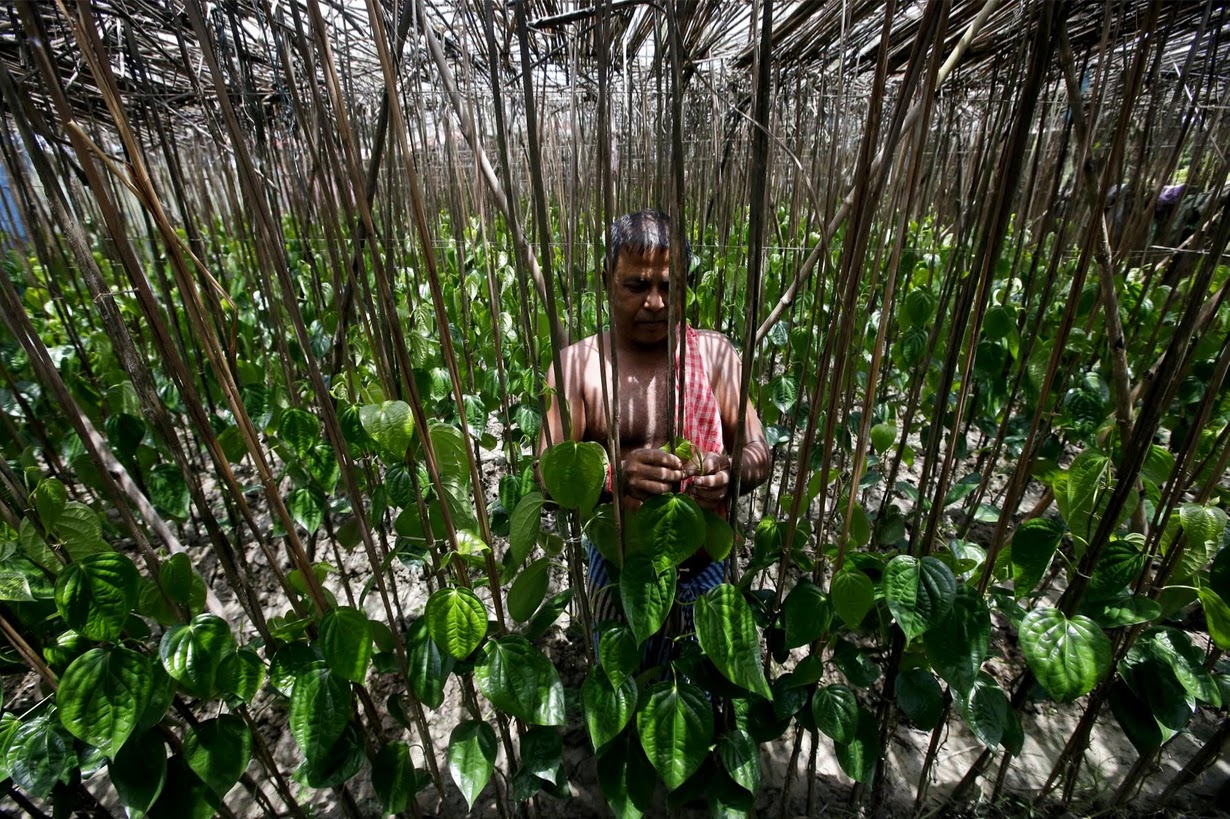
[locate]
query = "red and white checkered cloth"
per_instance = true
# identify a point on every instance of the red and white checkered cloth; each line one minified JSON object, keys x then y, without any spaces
{"x":702,"y":424}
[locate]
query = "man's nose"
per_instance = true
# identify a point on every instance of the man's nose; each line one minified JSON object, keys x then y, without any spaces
{"x":655,"y":301}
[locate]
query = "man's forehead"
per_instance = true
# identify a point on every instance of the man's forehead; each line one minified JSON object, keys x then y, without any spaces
{"x":653,"y":263}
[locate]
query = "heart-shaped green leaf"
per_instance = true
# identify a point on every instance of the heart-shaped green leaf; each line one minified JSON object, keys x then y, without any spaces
{"x":524,"y":526}
{"x":859,"y":756}
{"x":218,"y":751}
{"x":618,"y":653}
{"x":647,"y":594}
{"x":528,"y":590}
{"x":102,"y":695}
{"x":139,"y":771}
{"x":672,"y":527}
{"x":573,"y":473}
{"x":740,"y":756}
{"x":727,"y":635}
{"x":95,"y":594}
{"x":390,"y":424}
{"x":806,"y":613}
{"x":960,"y":642}
{"x":456,"y":620}
{"x":853,"y":595}
{"x":1033,"y":547}
{"x":608,"y":707}
{"x":299,"y":429}
{"x":429,"y":665}
{"x":471,"y":758}
{"x":346,"y":642}
{"x":835,"y":710}
{"x":320,"y":708}
{"x":1068,"y":656}
{"x":192,"y":653}
{"x":675,"y":727}
{"x":919,"y":592}
{"x":519,"y":680}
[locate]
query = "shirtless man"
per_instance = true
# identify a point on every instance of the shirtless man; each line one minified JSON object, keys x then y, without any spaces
{"x":637,"y":275}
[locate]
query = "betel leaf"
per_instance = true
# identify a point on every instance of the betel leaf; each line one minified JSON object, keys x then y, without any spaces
{"x":390,"y":424}
{"x":672,"y":527}
{"x":647,"y":594}
{"x":299,"y":429}
{"x":719,"y":536}
{"x":1203,"y":527}
{"x":853,"y":595}
{"x":608,"y":707}
{"x":184,"y":795}
{"x":519,"y":680}
{"x":859,"y":756}
{"x":1118,"y":566}
{"x":337,"y":764}
{"x":182,"y":583}
{"x":919,"y":593}
{"x":1033,"y":547}
{"x":1126,"y":610}
{"x":528,"y":590}
{"x":618,"y":653}
{"x":960,"y":642}
{"x":573,"y":473}
{"x":393,"y":777}
{"x":883,"y":435}
{"x":1219,"y":574}
{"x":542,"y":752}
{"x":546,"y":615}
{"x":102,"y":695}
{"x":307,"y":507}
{"x":835,"y":711}
{"x":675,"y":726}
{"x":920,"y":697}
{"x":524,"y":526}
{"x":320,"y":707}
{"x":986,"y":710}
{"x":727,"y":635}
{"x":81,"y":530}
{"x":1068,"y":656}
{"x":626,"y":778}
{"x":1081,"y":493}
{"x":138,"y":772}
{"x":429,"y":665}
{"x":855,"y":664}
{"x":218,"y":751}
{"x":95,"y":594}
{"x":193,"y":652}
{"x":740,"y":756}
{"x":456,"y":620}
{"x":39,"y":755}
{"x":346,"y":642}
{"x":169,"y":491}
{"x":471,"y":758}
{"x":1176,"y":649}
{"x":49,"y":499}
{"x":1217,"y":614}
{"x":806,"y":613}
{"x":241,"y":674}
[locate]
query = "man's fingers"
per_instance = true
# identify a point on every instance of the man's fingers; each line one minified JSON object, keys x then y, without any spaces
{"x":716,"y":480}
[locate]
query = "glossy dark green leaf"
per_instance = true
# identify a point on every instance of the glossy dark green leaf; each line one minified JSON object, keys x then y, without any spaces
{"x":39,"y":755}
{"x":138,"y":772}
{"x":853,"y":595}
{"x":672,"y":528}
{"x":573,"y":473}
{"x":626,"y":778}
{"x":103,"y":694}
{"x":241,"y":674}
{"x":519,"y":680}
{"x":80,"y":529}
{"x":524,"y":527}
{"x":1033,"y":547}
{"x":337,"y":764}
{"x":1203,"y":527}
{"x":919,"y":593}
{"x":547,"y":614}
{"x":193,"y":652}
{"x":346,"y":642}
{"x":835,"y":710}
{"x":320,"y":708}
{"x":1118,"y":566}
{"x":393,"y":777}
{"x":675,"y":725}
{"x":456,"y":620}
{"x":1126,"y":610}
{"x":182,"y":583}
{"x":647,"y":594}
{"x":719,"y":537}
{"x":608,"y":707}
{"x":542,"y":751}
{"x":920,"y":698}
{"x":95,"y":594}
{"x":855,"y":664}
{"x":740,"y":756}
{"x":960,"y":642}
{"x":1068,"y":656}
{"x":299,"y":429}
{"x":390,"y":424}
{"x":986,"y":710}
{"x":806,"y":613}
{"x":528,"y":590}
{"x":429,"y":665}
{"x":49,"y":499}
{"x":184,"y":795}
{"x":218,"y":751}
{"x":859,"y":756}
{"x":289,"y":662}
{"x":471,"y":758}
{"x":727,"y":634}
{"x":618,"y":653}
{"x":1175,"y":649}
{"x":169,"y":491}
{"x":307,"y":507}
{"x":1217,"y":615}
{"x":162,"y":694}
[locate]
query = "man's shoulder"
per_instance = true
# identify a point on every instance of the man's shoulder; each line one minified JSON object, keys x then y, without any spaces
{"x":716,"y":345}
{"x":581,"y":349}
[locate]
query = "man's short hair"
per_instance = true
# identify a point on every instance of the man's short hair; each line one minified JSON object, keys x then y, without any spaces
{"x":643,"y":233}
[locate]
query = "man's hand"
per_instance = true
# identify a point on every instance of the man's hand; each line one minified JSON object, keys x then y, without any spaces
{"x":710,"y":487}
{"x":649,"y":472}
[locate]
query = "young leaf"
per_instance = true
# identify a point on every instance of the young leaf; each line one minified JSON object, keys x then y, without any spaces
{"x":919,"y":592}
{"x":519,"y":680}
{"x":727,"y":635}
{"x":391,"y":425}
{"x":1068,"y":656}
{"x":95,"y":594}
{"x":672,"y":527}
{"x":192,"y":653}
{"x":608,"y":707}
{"x":573,"y":473}
{"x":807,"y":614}
{"x":528,"y":590}
{"x":471,"y":758}
{"x":102,"y":695}
{"x":218,"y":751}
{"x":647,"y":594}
{"x":393,"y":777}
{"x":853,"y":596}
{"x":883,"y":435}
{"x":346,"y":642}
{"x":835,"y":711}
{"x":456,"y":620}
{"x":675,"y":727}
{"x":138,"y":772}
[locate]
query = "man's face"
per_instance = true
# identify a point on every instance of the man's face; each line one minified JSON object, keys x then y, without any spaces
{"x":640,"y":298}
